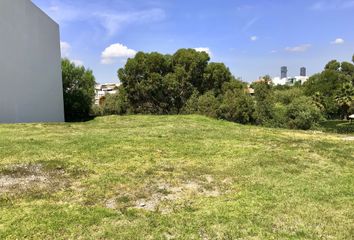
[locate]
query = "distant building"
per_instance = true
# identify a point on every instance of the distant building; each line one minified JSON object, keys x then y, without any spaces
{"x":262,"y":80}
{"x":303,"y":72}
{"x":279,"y":81}
{"x":284,"y":72}
{"x":250,"y":90}
{"x":102,"y":90}
{"x":290,"y":81}
{"x":299,"y":79}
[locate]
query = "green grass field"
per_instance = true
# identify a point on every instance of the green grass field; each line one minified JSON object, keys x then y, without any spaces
{"x":173,"y":177}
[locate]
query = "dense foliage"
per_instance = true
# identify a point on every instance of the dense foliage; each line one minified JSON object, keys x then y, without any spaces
{"x":187,"y":83}
{"x":79,"y":90}
{"x":162,"y":84}
{"x":333,"y":89}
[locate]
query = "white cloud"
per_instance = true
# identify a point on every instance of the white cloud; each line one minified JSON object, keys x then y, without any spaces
{"x":338,"y":41}
{"x":204,"y":49}
{"x":300,"y":48}
{"x":65,"y":49}
{"x":254,"y":38}
{"x":77,"y":62}
{"x":116,"y":51}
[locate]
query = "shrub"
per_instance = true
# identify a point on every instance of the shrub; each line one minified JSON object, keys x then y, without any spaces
{"x":116,"y":104}
{"x":208,"y":105}
{"x":288,"y":95}
{"x":237,"y":107}
{"x":191,"y":106}
{"x":279,"y":116}
{"x":302,"y":113}
{"x":96,"y":111}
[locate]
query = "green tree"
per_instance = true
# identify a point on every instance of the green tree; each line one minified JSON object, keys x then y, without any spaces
{"x":208,"y":105}
{"x":194,"y":63}
{"x":237,"y":106}
{"x":264,"y":103}
{"x":333,"y":65}
{"x":178,"y":89}
{"x":143,"y":80}
{"x":215,"y":76}
{"x":344,"y":98}
{"x":79,"y":90}
{"x":235,"y":85}
{"x":162,"y":84}
{"x":191,"y":106}
{"x":116,"y":104}
{"x":287,"y":95}
{"x":333,"y":86}
{"x":303,"y":113}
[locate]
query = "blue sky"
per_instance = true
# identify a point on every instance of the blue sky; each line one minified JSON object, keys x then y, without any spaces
{"x":252,"y":37}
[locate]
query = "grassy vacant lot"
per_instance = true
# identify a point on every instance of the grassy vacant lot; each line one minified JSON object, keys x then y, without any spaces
{"x":173,"y":177}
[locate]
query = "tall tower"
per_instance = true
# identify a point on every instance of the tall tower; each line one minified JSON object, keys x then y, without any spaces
{"x":284,"y":72}
{"x":303,"y":72}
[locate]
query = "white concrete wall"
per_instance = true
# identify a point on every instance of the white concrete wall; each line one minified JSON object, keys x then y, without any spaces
{"x":30,"y":67}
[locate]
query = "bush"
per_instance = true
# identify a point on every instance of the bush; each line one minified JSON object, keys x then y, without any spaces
{"x":208,"y":105}
{"x":96,"y":111}
{"x":303,"y":114}
{"x":279,"y":116}
{"x":116,"y":104}
{"x":288,"y":95}
{"x":237,"y":107}
{"x":191,"y":106}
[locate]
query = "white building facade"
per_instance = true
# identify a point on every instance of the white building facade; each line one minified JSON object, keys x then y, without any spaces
{"x":30,"y":65}
{"x":290,"y":81}
{"x":102,"y":90}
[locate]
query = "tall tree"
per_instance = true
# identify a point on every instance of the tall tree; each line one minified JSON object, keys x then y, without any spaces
{"x":143,"y":80}
{"x":332,"y":85}
{"x":194,"y":63}
{"x":216,"y":74}
{"x":162,"y":84}
{"x":79,"y":90}
{"x":264,"y":103}
{"x":344,"y":98}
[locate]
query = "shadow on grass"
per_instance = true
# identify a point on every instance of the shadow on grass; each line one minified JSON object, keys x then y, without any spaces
{"x":80,"y":120}
{"x":338,"y":126}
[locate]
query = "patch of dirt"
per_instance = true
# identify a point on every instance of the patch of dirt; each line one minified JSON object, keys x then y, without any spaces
{"x":166,"y":194}
{"x":22,"y":178}
{"x":111,"y":203}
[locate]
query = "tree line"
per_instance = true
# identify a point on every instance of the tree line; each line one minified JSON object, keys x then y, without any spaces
{"x":188,"y":83}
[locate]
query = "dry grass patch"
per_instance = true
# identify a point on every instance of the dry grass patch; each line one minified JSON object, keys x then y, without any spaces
{"x":30,"y":179}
